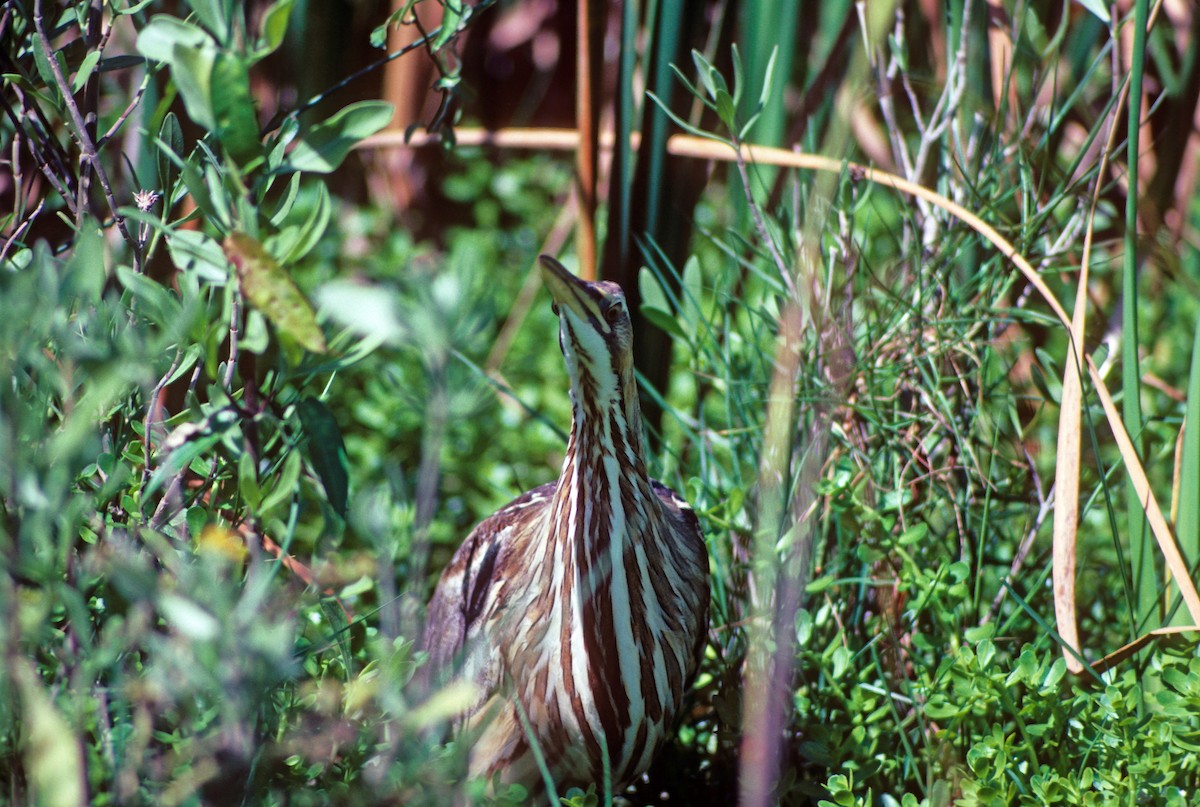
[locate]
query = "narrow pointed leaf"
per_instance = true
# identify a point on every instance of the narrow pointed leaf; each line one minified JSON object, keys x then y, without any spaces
{"x":326,"y":451}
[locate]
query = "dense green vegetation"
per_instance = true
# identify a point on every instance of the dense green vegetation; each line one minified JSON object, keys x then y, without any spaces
{"x":249,"y":409}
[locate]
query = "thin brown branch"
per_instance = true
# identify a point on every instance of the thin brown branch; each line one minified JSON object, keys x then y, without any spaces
{"x":761,"y":226}
{"x":22,"y":124}
{"x":24,"y":225}
{"x":87,"y":147}
{"x":153,"y":409}
{"x":120,"y":121}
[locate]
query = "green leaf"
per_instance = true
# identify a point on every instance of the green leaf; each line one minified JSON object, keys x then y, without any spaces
{"x":915,"y":534}
{"x":682,"y":124}
{"x":217,"y":197}
{"x":651,"y":291}
{"x":234,"y":109}
{"x":322,"y":148}
{"x":189,"y":618}
{"x":274,"y":25}
{"x":725,"y":109}
{"x":294,"y":242}
{"x":120,"y":62}
{"x":277,"y":144}
{"x":655,"y":306}
{"x":691,"y":88}
{"x":85,"y":70}
{"x":193,"y":251}
{"x":158,"y":39}
{"x":336,"y":618}
{"x":663,"y":320}
{"x":819,"y":584}
{"x":768,"y":77}
{"x":178,"y":458}
{"x":192,"y":71}
{"x":842,"y":657}
{"x":153,"y":299}
{"x":170,"y":134}
{"x":193,"y":180}
{"x":285,"y":486}
{"x":326,"y":451}
{"x":133,"y":9}
{"x":46,"y":72}
{"x":191,"y":55}
{"x":738,"y":83}
{"x":248,"y":481}
{"x":939,"y":708}
{"x":285,"y":203}
{"x":255,"y":338}
{"x":86,"y":268}
{"x":692,"y":290}
{"x":1097,"y":8}
{"x":980,"y":632}
{"x":452,"y":19}
{"x":369,"y":311}
{"x":268,"y":288}
{"x":216,"y":16}
{"x":1055,"y":674}
{"x":705,"y":71}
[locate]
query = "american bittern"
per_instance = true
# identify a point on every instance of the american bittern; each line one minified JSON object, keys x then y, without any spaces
{"x":579,"y":609}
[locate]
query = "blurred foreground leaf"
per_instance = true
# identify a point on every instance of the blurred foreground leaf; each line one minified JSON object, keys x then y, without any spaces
{"x":53,"y":758}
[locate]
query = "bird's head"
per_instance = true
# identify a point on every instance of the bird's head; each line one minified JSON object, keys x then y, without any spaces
{"x":595,"y":334}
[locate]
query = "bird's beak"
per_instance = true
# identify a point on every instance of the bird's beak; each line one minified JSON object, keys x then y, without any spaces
{"x":567,"y":290}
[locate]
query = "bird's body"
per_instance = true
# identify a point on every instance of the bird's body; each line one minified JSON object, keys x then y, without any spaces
{"x":579,"y":609}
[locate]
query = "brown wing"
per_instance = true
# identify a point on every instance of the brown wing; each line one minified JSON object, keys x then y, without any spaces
{"x":458,"y":603}
{"x":690,"y":545}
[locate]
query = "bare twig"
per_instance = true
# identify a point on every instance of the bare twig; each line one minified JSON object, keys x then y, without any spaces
{"x":166,"y":510}
{"x":153,"y":408}
{"x":16,"y":236}
{"x":1045,"y":508}
{"x":87,"y":148}
{"x":32,"y":119}
{"x":234,"y":330}
{"x":424,"y":41}
{"x":120,"y":121}
{"x":760,"y":225}
{"x":230,"y":368}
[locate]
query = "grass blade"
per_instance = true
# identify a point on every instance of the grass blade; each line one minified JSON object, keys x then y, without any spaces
{"x":1144,"y":580}
{"x":1187,"y":524}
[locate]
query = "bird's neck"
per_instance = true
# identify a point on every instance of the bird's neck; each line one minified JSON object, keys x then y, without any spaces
{"x":604,"y":491}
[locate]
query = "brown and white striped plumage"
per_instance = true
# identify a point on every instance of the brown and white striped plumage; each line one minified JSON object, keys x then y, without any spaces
{"x":581,"y":605}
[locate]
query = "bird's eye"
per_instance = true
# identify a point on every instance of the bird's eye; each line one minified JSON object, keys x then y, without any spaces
{"x":613,"y":313}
